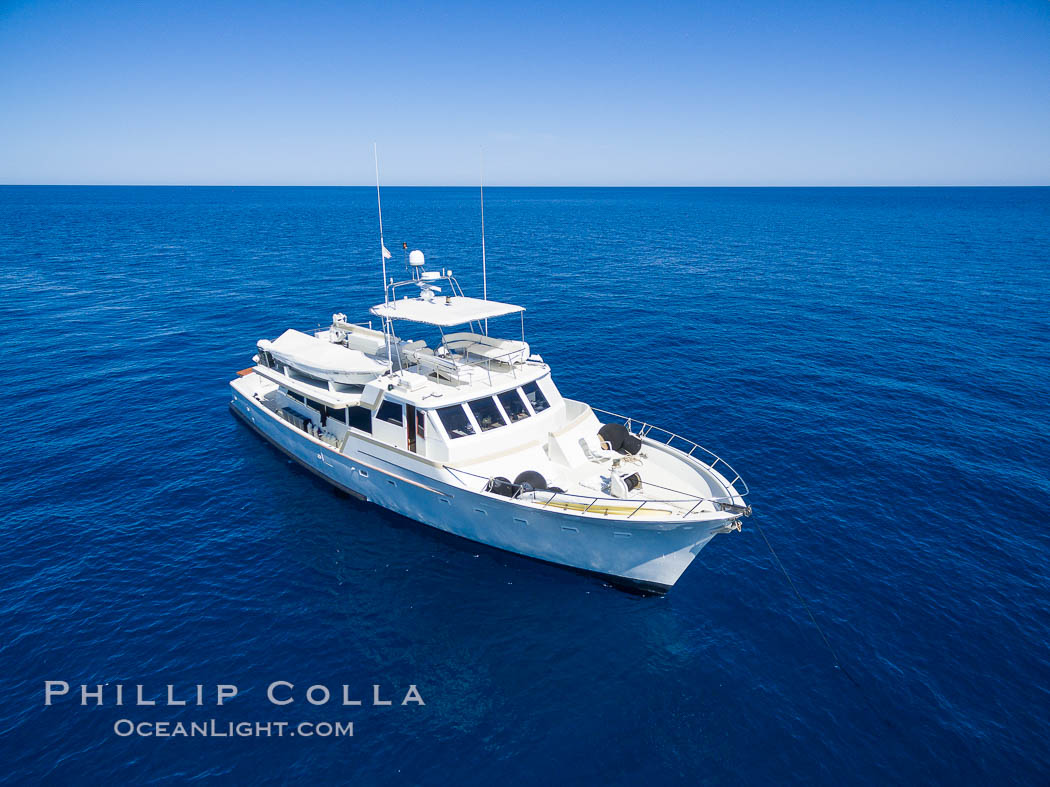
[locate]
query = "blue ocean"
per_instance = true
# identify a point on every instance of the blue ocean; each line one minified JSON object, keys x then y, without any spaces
{"x":875,"y":362}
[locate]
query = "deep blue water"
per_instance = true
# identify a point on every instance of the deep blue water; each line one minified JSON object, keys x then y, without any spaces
{"x":875,"y":361}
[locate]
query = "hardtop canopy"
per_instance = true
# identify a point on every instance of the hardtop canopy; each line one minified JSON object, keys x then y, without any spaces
{"x":444,"y":312}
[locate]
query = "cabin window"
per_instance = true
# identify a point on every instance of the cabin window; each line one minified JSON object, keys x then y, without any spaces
{"x":320,"y":408}
{"x":359,"y":418}
{"x":487,"y":414}
{"x":514,"y":405}
{"x":335,"y":415}
{"x":535,"y":396}
{"x":391,"y":412}
{"x":297,"y":397}
{"x":421,"y":422}
{"x":455,"y":420}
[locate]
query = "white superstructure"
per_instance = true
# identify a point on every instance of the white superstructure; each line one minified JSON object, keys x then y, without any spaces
{"x":444,"y":422}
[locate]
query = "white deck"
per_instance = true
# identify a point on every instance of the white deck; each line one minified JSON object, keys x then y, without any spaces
{"x":570,"y":457}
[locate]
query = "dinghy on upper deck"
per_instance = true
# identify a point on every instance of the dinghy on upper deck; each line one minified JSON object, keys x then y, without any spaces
{"x":323,"y":359}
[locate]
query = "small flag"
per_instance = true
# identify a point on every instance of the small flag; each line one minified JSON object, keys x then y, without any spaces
{"x":386,"y":253}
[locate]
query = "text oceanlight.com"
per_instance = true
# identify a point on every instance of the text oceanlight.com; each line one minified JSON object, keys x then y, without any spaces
{"x":230,"y":729}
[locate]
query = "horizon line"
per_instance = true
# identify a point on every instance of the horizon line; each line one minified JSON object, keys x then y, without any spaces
{"x":535,"y":186}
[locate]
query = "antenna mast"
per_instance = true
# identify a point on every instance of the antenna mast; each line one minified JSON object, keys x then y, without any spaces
{"x":388,"y":327}
{"x":484,"y":273}
{"x":383,"y":253}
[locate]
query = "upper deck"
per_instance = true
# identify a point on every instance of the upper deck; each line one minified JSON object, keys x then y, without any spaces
{"x":414,"y":385}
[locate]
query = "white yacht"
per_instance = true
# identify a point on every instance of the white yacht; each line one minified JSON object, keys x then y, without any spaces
{"x":457,"y":428}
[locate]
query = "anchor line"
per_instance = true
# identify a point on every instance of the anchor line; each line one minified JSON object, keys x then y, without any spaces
{"x":834,"y":654}
{"x":809,"y":611}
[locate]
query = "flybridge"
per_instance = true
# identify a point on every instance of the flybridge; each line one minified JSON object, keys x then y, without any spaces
{"x":438,"y":299}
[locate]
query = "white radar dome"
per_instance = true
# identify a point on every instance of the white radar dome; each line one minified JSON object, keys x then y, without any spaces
{"x":415,"y":258}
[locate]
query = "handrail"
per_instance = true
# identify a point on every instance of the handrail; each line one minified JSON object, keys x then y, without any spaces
{"x":644,"y":430}
{"x":606,"y":503}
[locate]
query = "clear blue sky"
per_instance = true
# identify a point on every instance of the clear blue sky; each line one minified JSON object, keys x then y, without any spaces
{"x":611,"y":93}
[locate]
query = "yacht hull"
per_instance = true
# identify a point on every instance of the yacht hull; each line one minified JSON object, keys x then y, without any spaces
{"x":644,"y":555}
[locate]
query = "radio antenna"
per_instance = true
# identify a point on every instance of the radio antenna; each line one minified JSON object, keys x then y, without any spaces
{"x":388,"y":325}
{"x":484,"y":272}
{"x":484,"y":276}
{"x":383,"y":253}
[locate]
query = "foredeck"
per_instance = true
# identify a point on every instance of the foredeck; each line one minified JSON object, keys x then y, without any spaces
{"x":676,"y":477}
{"x":653,"y":501}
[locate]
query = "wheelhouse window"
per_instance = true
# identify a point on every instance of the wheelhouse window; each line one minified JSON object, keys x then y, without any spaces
{"x":514,"y":405}
{"x":391,"y":412}
{"x":359,"y":418}
{"x":487,"y":414}
{"x":535,"y":396}
{"x":455,"y":421}
{"x":297,"y":397}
